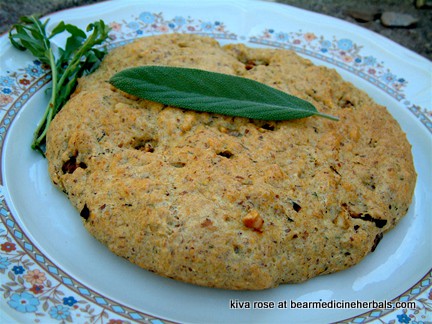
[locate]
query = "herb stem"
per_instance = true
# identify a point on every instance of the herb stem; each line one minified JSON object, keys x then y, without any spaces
{"x":38,"y":136}
{"x":335,"y":118}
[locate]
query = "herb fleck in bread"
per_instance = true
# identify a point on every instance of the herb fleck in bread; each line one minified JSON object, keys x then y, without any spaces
{"x":231,"y":202}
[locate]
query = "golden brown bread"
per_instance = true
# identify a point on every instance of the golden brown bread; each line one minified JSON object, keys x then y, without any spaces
{"x":231,"y":202}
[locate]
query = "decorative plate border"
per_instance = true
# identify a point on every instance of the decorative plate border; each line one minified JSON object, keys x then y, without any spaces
{"x":31,"y":283}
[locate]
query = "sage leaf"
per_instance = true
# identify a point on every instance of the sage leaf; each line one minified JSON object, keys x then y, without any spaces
{"x":212,"y":92}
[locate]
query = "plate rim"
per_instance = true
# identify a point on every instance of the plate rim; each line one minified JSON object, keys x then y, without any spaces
{"x":44,"y":80}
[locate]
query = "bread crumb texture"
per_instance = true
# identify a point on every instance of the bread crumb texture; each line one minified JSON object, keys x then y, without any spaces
{"x":231,"y":202}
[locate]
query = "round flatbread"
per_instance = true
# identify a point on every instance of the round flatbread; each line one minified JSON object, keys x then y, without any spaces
{"x":231,"y":202}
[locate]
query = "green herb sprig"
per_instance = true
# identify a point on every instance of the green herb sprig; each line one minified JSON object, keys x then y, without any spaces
{"x":79,"y":57}
{"x":212,"y":92}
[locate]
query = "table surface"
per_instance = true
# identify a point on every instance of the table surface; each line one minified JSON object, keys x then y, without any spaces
{"x":417,"y":38}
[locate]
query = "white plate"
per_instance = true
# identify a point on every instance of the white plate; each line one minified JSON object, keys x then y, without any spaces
{"x":52,"y":270}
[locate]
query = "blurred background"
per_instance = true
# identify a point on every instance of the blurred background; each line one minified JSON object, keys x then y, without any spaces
{"x":407,"y":22}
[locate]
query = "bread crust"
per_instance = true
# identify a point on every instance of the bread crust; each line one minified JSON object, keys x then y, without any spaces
{"x":231,"y":202}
